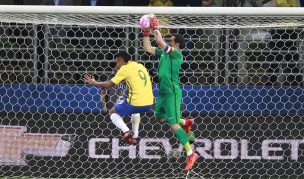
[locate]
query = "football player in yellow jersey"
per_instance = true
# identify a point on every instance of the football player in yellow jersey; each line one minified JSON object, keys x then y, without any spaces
{"x":140,"y":97}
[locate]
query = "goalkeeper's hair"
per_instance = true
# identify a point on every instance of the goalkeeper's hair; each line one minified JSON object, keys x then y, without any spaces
{"x":124,"y":55}
{"x":180,"y":40}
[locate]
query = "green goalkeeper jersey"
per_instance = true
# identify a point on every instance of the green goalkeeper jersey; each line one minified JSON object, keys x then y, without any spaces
{"x":168,"y":70}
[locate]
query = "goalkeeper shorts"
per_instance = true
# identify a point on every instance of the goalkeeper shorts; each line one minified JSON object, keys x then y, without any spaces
{"x":123,"y":108}
{"x":168,"y":107}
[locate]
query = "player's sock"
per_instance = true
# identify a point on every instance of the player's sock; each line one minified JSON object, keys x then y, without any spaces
{"x":135,"y":119}
{"x":182,"y":122}
{"x":118,"y":122}
{"x":188,"y":149}
{"x":182,"y":136}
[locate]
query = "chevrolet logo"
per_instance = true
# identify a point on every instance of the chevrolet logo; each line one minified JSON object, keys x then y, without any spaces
{"x":15,"y":144}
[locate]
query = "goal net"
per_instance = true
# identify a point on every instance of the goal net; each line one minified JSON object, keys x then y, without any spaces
{"x":242,"y":82}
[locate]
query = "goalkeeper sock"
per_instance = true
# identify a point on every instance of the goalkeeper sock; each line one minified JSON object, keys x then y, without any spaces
{"x":135,"y":119}
{"x":188,"y":149}
{"x":182,"y":122}
{"x":118,"y":122}
{"x":182,"y":136}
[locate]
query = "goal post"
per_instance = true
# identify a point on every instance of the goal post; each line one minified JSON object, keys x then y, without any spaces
{"x":217,"y":17}
{"x":242,"y":82}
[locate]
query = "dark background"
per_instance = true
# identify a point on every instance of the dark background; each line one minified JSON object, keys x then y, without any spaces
{"x":84,"y":126}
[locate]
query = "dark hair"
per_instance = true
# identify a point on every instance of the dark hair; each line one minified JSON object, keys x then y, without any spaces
{"x":124,"y":55}
{"x":180,"y":40}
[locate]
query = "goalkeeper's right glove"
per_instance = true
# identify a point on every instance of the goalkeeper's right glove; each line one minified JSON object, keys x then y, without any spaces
{"x":147,"y":32}
{"x":154,"y":22}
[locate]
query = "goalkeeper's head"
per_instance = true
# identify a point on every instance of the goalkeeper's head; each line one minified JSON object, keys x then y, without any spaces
{"x":177,"y":40}
{"x":122,"y":58}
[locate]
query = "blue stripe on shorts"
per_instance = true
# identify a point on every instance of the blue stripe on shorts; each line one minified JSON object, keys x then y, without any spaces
{"x":123,"y":108}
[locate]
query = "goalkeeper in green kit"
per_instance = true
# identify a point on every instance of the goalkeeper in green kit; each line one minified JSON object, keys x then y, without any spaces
{"x":169,"y":97}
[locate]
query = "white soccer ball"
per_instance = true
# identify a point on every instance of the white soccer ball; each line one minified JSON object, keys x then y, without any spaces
{"x":144,"y":22}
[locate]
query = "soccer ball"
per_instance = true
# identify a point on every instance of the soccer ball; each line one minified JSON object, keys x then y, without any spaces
{"x":144,"y":21}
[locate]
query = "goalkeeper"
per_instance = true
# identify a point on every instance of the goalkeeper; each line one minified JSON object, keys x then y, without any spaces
{"x":169,"y":97}
{"x":140,"y":97}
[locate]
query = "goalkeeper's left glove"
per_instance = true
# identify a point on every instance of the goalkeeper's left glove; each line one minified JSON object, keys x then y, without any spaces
{"x":147,"y":32}
{"x":154,"y":22}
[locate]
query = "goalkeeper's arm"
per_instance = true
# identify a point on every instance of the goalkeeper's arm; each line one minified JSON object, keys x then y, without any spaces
{"x":157,"y":35}
{"x":147,"y":45}
{"x":159,"y":39}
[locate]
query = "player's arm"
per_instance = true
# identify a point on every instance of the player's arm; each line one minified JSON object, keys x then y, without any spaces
{"x":163,"y":45}
{"x":91,"y":80}
{"x":159,"y":40}
{"x":158,"y":37}
{"x":147,"y":32}
{"x":120,"y":75}
{"x":147,"y":45}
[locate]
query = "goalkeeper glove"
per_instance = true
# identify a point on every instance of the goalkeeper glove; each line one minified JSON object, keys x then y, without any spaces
{"x":154,"y":22}
{"x":147,"y":32}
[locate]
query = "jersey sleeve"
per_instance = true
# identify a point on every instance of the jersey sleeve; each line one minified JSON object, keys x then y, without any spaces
{"x":120,"y":75}
{"x":158,"y":52}
{"x":173,"y":52}
{"x":176,"y":53}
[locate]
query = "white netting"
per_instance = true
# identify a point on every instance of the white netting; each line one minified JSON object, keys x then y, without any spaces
{"x":242,"y":81}
{"x":168,"y":21}
{"x":216,"y":17}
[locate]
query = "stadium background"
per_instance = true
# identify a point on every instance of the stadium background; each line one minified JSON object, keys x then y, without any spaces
{"x":42,"y":89}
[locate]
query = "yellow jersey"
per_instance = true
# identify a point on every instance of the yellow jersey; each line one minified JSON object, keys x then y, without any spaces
{"x":139,"y":82}
{"x":288,"y":3}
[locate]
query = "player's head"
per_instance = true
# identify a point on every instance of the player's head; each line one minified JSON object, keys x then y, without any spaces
{"x":122,"y":58}
{"x":177,"y":40}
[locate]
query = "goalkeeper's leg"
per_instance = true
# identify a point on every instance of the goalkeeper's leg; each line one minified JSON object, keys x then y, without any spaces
{"x":173,"y":119}
{"x":184,"y":140}
{"x":187,"y":124}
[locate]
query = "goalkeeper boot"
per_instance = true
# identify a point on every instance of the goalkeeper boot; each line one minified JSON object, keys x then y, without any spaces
{"x":191,"y":159}
{"x":126,"y":136}
{"x":188,"y":125}
{"x":133,"y":141}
